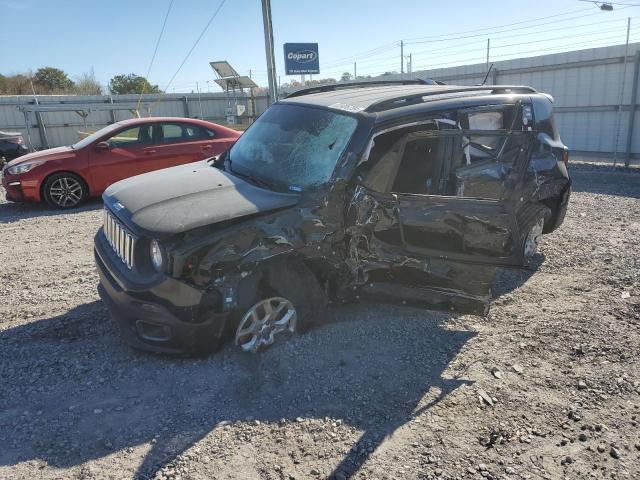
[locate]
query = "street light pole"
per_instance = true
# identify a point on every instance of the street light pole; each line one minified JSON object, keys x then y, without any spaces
{"x":268,"y":46}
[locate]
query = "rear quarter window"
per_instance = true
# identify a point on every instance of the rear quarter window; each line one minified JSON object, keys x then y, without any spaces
{"x":543,"y":113}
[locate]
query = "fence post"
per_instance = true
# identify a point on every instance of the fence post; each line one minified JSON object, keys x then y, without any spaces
{"x":632,"y":110}
{"x":185,"y":105}
{"x":494,"y":76}
{"x":112,"y":113}
{"x":42,"y":130}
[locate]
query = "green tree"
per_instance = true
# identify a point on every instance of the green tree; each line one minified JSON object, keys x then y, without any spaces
{"x":3,"y":84}
{"x":50,"y":79}
{"x":346,"y":76}
{"x":132,"y":83}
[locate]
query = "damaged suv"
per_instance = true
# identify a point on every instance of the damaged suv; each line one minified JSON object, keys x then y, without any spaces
{"x":400,"y":191}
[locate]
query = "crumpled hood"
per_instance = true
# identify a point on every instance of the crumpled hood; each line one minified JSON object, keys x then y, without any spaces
{"x":178,"y":199}
{"x":58,"y":153}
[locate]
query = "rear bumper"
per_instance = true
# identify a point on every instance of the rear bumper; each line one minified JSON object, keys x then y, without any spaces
{"x":561,"y":212}
{"x":148,"y":321}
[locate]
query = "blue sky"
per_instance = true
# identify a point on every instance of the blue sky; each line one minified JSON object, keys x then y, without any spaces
{"x":119,"y":36}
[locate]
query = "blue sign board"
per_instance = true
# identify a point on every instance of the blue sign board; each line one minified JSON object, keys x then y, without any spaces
{"x":301,"y":58}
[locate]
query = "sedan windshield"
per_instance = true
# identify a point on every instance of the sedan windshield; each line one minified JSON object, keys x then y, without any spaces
{"x":95,"y":136}
{"x":292,"y":147}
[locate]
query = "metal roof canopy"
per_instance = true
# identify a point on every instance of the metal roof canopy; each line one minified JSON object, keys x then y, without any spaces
{"x":83,"y":110}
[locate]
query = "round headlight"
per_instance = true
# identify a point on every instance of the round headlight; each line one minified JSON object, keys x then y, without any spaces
{"x":155,"y":252}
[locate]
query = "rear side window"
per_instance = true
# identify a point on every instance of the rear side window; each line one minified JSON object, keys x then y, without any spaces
{"x":543,"y":112}
{"x":181,"y":132}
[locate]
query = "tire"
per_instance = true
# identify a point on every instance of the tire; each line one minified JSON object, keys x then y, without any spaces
{"x":534,"y":229}
{"x":285,"y":299}
{"x":65,"y":190}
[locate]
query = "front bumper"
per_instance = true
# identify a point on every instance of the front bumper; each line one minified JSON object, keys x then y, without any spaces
{"x":18,"y":190}
{"x":148,"y":320}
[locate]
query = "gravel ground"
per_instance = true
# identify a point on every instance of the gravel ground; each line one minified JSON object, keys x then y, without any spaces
{"x":547,"y":386}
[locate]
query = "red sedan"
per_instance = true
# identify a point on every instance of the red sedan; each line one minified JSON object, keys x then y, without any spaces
{"x":66,"y":176}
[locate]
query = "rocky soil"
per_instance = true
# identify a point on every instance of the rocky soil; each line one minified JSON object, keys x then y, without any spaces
{"x":546,"y":387}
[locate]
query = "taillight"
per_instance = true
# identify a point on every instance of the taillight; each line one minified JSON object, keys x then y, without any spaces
{"x":565,"y":157}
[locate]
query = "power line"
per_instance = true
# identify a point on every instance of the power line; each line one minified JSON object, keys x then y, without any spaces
{"x":155,"y":51}
{"x":493,"y":37}
{"x":496,"y":47}
{"x":508,"y":30}
{"x":499,"y":26}
{"x":204,"y":30}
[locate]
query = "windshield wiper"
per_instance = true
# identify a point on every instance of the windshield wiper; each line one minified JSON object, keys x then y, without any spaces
{"x":250,"y":178}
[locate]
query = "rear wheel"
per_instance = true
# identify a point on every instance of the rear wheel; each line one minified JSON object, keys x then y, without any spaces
{"x":64,"y":190}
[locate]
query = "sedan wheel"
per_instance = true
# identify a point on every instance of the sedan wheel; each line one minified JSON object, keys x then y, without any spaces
{"x":64,"y":191}
{"x":262,"y":322}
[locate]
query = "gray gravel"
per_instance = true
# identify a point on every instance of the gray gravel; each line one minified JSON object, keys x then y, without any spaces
{"x":548,"y":386}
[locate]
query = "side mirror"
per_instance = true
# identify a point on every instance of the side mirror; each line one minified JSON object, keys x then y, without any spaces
{"x":102,"y":146}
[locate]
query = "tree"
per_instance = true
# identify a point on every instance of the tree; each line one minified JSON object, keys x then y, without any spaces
{"x":346,"y":76}
{"x":87,"y":84}
{"x":3,"y":83}
{"x":17,"y":85}
{"x":132,"y":83}
{"x":50,"y":79}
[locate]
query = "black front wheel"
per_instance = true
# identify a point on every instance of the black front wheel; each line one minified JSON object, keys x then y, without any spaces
{"x":65,"y":190}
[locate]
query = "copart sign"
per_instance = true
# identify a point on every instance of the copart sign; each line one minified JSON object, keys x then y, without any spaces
{"x":301,"y":58}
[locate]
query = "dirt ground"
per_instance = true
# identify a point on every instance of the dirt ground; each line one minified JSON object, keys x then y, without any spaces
{"x":547,"y":386}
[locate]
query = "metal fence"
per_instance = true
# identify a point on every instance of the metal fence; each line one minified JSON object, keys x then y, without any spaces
{"x":59,"y":119}
{"x":595,"y":93}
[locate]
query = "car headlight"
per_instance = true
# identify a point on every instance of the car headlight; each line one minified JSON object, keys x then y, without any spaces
{"x":23,"y":167}
{"x":157,"y":258}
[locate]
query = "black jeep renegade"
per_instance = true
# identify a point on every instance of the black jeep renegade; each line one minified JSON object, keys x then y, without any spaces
{"x":400,"y":191}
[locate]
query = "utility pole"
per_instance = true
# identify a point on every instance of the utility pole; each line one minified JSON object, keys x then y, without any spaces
{"x":410,"y":66}
{"x":488,"y":45}
{"x":401,"y":56}
{"x":355,"y":71}
{"x":621,"y":99}
{"x":268,"y":46}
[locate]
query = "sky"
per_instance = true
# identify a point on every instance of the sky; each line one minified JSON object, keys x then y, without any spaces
{"x":118,"y":37}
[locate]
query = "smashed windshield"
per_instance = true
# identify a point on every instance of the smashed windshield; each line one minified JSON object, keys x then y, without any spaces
{"x":292,"y":147}
{"x":95,"y":136}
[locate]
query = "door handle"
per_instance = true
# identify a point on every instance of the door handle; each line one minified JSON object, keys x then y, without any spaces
{"x":149,"y":151}
{"x":207,"y":147}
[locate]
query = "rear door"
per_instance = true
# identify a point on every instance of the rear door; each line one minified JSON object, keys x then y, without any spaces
{"x":452,"y":179}
{"x":186,"y":142}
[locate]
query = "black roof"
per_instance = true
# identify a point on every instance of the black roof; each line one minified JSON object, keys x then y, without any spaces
{"x":381,"y":97}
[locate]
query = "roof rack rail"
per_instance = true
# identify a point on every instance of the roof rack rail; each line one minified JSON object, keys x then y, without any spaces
{"x":416,"y":98}
{"x":337,"y":86}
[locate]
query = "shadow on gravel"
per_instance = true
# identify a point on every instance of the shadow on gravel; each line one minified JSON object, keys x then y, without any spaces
{"x":13,"y":212}
{"x":605,"y":180}
{"x":509,"y":279}
{"x":72,"y":392}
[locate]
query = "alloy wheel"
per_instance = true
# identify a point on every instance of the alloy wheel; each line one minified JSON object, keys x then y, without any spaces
{"x":533,"y":238}
{"x":66,"y":192}
{"x":262,"y":322}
